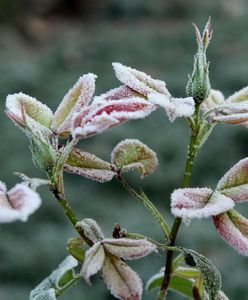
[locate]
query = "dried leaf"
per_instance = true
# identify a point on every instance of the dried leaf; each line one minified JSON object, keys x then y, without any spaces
{"x":91,"y":229}
{"x":88,"y":165}
{"x":234,"y":183}
{"x":233,"y":228}
{"x":128,"y":248}
{"x":174,"y":107}
{"x":132,"y":154}
{"x":121,"y":280}
{"x":94,"y":258}
{"x":78,"y":96}
{"x":18,"y":203}
{"x":198,"y":203}
{"x":139,"y":81}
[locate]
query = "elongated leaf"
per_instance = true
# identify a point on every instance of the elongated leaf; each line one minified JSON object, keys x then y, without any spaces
{"x":132,"y":154}
{"x":51,"y":287}
{"x":88,"y":165}
{"x":233,"y":228}
{"x":210,"y":274}
{"x":121,"y":280}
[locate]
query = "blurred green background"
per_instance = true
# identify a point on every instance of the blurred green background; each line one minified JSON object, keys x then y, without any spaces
{"x":45,"y":45}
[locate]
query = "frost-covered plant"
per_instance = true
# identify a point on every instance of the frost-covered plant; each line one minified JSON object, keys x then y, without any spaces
{"x":53,"y":143}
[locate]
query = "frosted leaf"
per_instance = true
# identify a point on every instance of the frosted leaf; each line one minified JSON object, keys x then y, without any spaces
{"x":18,"y":203}
{"x":94,"y":258}
{"x":33,"y":183}
{"x":121,"y":280}
{"x":239,"y":96}
{"x":174,"y":107}
{"x":99,"y":117}
{"x":191,"y":203}
{"x":214,"y":99}
{"x":233,"y":228}
{"x":132,"y":154}
{"x":48,"y":288}
{"x":232,"y":115}
{"x":91,"y":229}
{"x":37,"y":115}
{"x":234,"y":183}
{"x":222,"y":296}
{"x":211,"y":276}
{"x":128,"y":248}
{"x":121,"y":92}
{"x":139,"y":81}
{"x":79,"y":96}
{"x":88,"y":165}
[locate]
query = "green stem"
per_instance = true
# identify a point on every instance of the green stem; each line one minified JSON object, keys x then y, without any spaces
{"x":57,"y":188}
{"x":149,"y":205}
{"x":192,"y":151}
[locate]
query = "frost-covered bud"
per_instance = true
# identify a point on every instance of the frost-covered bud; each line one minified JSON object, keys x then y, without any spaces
{"x":43,"y":154}
{"x":198,"y":85}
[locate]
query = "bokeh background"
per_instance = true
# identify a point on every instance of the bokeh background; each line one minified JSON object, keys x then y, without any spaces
{"x":45,"y":45}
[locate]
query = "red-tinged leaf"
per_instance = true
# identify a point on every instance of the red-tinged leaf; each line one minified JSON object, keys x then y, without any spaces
{"x":198,"y":203}
{"x":88,"y":165}
{"x":121,"y":92}
{"x":132,"y":154}
{"x":121,"y":280}
{"x":93,"y":262}
{"x":18,"y":203}
{"x":139,"y":81}
{"x":78,"y":96}
{"x":233,"y":228}
{"x":234,"y":183}
{"x":128,"y":248}
{"x":102,"y":116}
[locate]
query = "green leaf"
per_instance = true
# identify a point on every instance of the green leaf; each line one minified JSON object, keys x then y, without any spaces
{"x":177,"y":283}
{"x":187,"y":272}
{"x":210,"y":274}
{"x":131,"y":154}
{"x":60,"y":279}
{"x":74,"y":247}
{"x":88,"y":165}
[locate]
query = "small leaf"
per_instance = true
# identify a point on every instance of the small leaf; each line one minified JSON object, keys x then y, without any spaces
{"x":74,"y":247}
{"x":210,"y":274}
{"x":78,"y":97}
{"x":139,"y":81}
{"x":233,"y":228}
{"x":88,"y":165}
{"x":215,"y":99}
{"x":239,"y":97}
{"x":187,"y":272}
{"x":132,"y":154}
{"x":91,"y":229}
{"x":121,"y":280}
{"x":37,"y":114}
{"x":18,"y":203}
{"x":190,"y":203}
{"x":234,"y":183}
{"x":93,"y":262}
{"x":52,"y":286}
{"x":128,"y":248}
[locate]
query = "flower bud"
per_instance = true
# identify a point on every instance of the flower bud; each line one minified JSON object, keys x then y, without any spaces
{"x":198,"y":85}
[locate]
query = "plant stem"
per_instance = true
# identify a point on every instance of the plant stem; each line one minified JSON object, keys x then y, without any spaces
{"x":149,"y":205}
{"x":192,"y":151}
{"x":58,"y":192}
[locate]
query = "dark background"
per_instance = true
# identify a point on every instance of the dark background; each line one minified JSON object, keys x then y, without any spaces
{"x":44,"y":47}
